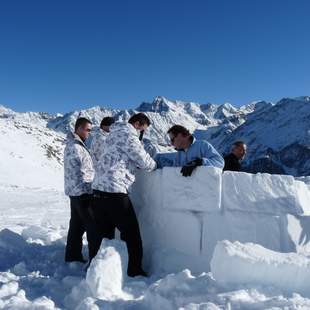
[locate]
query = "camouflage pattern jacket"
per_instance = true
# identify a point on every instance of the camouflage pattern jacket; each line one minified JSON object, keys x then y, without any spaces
{"x":78,"y":167}
{"x":97,"y":146}
{"x":122,"y":155}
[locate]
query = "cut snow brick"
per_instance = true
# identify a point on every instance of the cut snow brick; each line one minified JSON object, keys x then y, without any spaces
{"x":263,"y":229}
{"x":240,"y":264}
{"x":199,"y":192}
{"x":107,"y":270}
{"x":264,"y":193}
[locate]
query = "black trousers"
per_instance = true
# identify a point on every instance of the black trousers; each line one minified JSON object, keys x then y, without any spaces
{"x":114,"y":210}
{"x":81,"y":221}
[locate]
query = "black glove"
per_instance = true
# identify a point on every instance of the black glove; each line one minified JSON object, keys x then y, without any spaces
{"x":141,"y":135}
{"x":188,"y":169}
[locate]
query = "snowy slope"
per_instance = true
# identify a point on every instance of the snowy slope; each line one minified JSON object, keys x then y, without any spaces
{"x":278,"y":135}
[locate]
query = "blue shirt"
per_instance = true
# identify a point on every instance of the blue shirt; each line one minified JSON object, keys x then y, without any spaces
{"x":198,"y":149}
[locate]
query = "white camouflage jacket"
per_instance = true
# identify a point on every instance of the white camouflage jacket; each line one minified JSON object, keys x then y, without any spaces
{"x":122,"y":155}
{"x":97,"y":146}
{"x":78,"y":167}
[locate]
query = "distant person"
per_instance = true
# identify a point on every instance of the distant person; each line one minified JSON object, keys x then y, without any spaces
{"x":78,"y":174}
{"x":111,"y":206}
{"x":234,"y":158}
{"x":190,"y":154}
{"x":97,"y":144}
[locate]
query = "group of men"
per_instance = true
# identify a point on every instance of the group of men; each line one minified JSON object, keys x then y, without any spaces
{"x":97,"y":180}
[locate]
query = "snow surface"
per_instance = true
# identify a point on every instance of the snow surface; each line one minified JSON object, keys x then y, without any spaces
{"x":180,"y":232}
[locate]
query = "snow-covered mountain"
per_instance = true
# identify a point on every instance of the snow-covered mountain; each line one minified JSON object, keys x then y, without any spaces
{"x":278,"y":135}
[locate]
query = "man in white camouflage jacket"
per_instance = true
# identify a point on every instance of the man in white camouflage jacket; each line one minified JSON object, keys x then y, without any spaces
{"x":97,"y":144}
{"x":79,"y":174}
{"x":111,"y":207}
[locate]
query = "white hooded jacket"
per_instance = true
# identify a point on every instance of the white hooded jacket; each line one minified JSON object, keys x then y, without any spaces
{"x":78,"y":167}
{"x":122,"y":155}
{"x":97,"y":146}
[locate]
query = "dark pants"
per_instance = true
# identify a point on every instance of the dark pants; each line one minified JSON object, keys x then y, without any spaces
{"x":80,"y":222}
{"x":114,"y":210}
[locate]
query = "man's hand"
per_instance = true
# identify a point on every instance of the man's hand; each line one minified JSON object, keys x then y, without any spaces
{"x":188,"y":169}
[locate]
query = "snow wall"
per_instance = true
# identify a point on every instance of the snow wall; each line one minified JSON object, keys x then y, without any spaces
{"x":182,"y":218}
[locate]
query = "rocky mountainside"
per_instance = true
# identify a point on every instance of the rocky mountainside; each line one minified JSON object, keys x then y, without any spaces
{"x":277,"y":135}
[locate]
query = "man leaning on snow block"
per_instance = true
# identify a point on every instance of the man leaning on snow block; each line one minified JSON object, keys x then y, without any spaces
{"x":79,"y":174}
{"x":111,"y":207}
{"x":190,"y":154}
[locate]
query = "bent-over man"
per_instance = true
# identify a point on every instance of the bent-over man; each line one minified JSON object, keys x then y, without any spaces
{"x":111,"y":207}
{"x":190,"y":154}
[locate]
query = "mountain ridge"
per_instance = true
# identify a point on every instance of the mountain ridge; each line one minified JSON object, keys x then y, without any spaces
{"x":277,"y":134}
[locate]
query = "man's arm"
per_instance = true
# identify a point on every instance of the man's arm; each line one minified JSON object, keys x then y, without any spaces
{"x":165,"y":159}
{"x":210,"y":156}
{"x":138,"y":155}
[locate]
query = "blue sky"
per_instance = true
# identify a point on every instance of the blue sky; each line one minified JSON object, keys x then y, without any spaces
{"x":58,"y":56}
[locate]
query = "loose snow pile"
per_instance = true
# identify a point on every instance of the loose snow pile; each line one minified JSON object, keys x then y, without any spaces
{"x":237,"y":263}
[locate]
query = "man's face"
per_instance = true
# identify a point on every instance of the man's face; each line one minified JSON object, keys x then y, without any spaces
{"x":240,"y":151}
{"x":84,"y":131}
{"x":106,"y":128}
{"x":178,"y":141}
{"x":140,"y":127}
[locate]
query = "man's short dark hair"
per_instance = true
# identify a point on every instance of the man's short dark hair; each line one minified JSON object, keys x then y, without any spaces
{"x":107,"y":121}
{"x":238,"y":143}
{"x":176,"y":129}
{"x":81,"y":121}
{"x":141,"y":118}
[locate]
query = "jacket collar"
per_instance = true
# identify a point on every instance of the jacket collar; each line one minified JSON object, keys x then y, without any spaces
{"x":73,"y":137}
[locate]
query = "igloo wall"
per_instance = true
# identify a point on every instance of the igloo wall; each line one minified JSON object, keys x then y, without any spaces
{"x":182,"y":218}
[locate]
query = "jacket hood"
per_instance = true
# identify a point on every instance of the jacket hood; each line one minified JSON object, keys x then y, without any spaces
{"x":123,"y":127}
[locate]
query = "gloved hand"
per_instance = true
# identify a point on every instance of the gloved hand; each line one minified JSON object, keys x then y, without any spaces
{"x":188,"y":169}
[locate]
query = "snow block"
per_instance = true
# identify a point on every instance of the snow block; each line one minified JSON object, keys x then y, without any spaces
{"x":297,"y":229}
{"x":106,"y":272}
{"x":172,"y":230}
{"x":239,"y":264}
{"x":146,"y":191}
{"x":263,"y":229}
{"x":264,"y":193}
{"x":200,"y":192}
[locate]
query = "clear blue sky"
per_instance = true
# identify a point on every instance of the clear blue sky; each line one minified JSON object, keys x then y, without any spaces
{"x":58,"y":56}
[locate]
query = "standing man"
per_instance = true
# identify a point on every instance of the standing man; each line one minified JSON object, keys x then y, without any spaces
{"x":97,"y":144}
{"x":111,"y":207}
{"x":79,"y":174}
{"x":190,"y":154}
{"x":234,"y":158}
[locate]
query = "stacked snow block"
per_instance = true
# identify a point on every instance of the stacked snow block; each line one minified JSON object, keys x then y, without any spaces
{"x":182,"y":218}
{"x":266,"y":208}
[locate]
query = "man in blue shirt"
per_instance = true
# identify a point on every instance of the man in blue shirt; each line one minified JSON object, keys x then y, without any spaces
{"x":190,"y":154}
